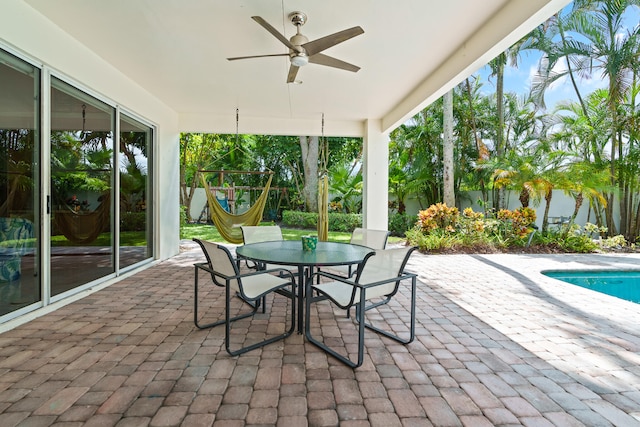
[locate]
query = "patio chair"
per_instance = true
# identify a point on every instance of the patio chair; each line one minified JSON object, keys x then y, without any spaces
{"x":378,"y":278}
{"x":252,"y":288}
{"x":16,"y":241}
{"x":374,"y":239}
{"x":264,"y":233}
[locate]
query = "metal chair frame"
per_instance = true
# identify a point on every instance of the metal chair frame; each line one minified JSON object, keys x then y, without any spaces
{"x":263,"y":233}
{"x":360,"y":306}
{"x":359,"y":236}
{"x":223,"y":280}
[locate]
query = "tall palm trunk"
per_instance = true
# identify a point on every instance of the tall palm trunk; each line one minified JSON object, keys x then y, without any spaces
{"x":310,"y":152}
{"x":545,"y":218}
{"x":570,"y":71}
{"x":448,"y":184}
{"x":482,"y":149}
{"x":500,"y":146}
{"x":613,"y":111}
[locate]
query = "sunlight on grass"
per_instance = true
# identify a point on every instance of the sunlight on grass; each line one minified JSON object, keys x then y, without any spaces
{"x":210,"y":232}
{"x":127,"y":238}
{"x":201,"y":231}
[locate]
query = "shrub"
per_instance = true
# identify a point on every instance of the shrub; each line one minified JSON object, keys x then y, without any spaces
{"x":441,"y":227}
{"x":137,"y":221}
{"x":337,"y":221}
{"x":438,"y":216}
{"x":400,"y":223}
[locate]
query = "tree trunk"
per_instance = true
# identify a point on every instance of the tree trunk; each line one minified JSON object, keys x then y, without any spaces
{"x":483,"y":152}
{"x":612,"y":169}
{"x":449,"y":196}
{"x":576,"y":209}
{"x":545,"y":218}
{"x":636,"y":226}
{"x":524,"y":198}
{"x":500,"y":144}
{"x":309,"y":147}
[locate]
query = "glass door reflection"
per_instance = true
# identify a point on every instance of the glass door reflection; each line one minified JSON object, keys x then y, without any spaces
{"x":136,"y":243}
{"x":81,"y":188}
{"x":20,"y":276}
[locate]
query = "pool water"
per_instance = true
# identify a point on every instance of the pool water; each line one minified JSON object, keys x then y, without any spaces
{"x":621,"y":284}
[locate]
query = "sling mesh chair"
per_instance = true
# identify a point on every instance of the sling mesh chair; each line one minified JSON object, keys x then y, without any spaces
{"x":378,"y":277}
{"x":252,"y":288}
{"x":374,"y":239}
{"x":264,"y":233}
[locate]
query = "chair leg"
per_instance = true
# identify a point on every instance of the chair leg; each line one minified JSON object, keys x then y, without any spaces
{"x":361,"y":309}
{"x":228,"y":320}
{"x":323,"y":346}
{"x":412,"y":325}
{"x":219,"y":322}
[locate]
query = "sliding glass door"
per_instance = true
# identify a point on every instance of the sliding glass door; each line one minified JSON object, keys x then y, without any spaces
{"x":136,"y":209}
{"x":19,"y":184}
{"x":97,"y":201}
{"x":82,"y":183}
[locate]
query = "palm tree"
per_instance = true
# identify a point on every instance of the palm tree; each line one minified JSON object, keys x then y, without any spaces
{"x":585,"y":140}
{"x":601,"y":44}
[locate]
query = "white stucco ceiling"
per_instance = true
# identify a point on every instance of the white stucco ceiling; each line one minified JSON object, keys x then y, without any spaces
{"x":411,"y":52}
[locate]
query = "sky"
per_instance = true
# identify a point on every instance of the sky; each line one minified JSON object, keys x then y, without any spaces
{"x":518,"y":80}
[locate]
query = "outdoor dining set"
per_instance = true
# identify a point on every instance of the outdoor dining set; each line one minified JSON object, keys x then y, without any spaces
{"x":361,"y":274}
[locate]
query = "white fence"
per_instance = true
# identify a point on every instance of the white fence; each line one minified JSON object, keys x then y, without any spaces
{"x":562,"y":205}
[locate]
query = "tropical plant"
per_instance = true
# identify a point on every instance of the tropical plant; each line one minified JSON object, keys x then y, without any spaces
{"x":345,"y":185}
{"x":594,"y":39}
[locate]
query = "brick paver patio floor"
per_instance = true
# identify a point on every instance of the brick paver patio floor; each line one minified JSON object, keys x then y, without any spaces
{"x":497,"y":343}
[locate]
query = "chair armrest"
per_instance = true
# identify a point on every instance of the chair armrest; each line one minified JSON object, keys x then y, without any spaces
{"x":205,"y":266}
{"x":331,"y":276}
{"x":403,"y":276}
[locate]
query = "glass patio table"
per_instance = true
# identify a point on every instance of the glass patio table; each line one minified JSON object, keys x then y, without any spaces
{"x":289,"y":252}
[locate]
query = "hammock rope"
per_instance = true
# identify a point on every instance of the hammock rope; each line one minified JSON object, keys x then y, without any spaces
{"x":228,"y":224}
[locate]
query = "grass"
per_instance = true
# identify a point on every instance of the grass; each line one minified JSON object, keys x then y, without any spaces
{"x":127,"y":238}
{"x":201,"y":231}
{"x":210,"y":232}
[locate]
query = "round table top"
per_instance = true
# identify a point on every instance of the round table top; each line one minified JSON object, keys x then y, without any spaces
{"x":289,"y":252}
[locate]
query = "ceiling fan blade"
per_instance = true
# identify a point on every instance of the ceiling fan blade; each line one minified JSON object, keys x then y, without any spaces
{"x":318,"y":45}
{"x":256,"y":56}
{"x":329,"y":61}
{"x":273,"y":31}
{"x":293,"y":71}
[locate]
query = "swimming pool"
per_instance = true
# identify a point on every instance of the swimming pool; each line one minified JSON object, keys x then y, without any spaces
{"x":621,"y":284}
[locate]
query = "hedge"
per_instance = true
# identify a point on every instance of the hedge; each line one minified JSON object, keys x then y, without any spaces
{"x":337,"y":221}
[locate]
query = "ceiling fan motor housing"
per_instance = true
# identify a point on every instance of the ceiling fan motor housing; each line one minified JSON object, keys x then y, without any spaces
{"x":302,"y":51}
{"x":299,"y":56}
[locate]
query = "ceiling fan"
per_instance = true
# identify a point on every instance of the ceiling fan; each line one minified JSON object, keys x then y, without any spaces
{"x":302,"y":51}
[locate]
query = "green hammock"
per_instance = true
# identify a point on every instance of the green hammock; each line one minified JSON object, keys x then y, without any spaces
{"x":228,"y":225}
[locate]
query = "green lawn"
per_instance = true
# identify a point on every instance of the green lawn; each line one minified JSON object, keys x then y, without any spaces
{"x":201,"y":231}
{"x":210,"y":232}
{"x":127,"y":238}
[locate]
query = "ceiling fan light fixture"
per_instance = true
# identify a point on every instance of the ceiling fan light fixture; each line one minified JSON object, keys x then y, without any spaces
{"x":300,"y":60}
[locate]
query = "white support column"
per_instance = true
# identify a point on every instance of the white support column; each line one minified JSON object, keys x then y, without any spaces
{"x":375,"y":174}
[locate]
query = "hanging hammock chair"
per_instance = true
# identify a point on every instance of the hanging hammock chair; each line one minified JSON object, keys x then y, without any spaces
{"x":83,"y":228}
{"x":228,"y":224}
